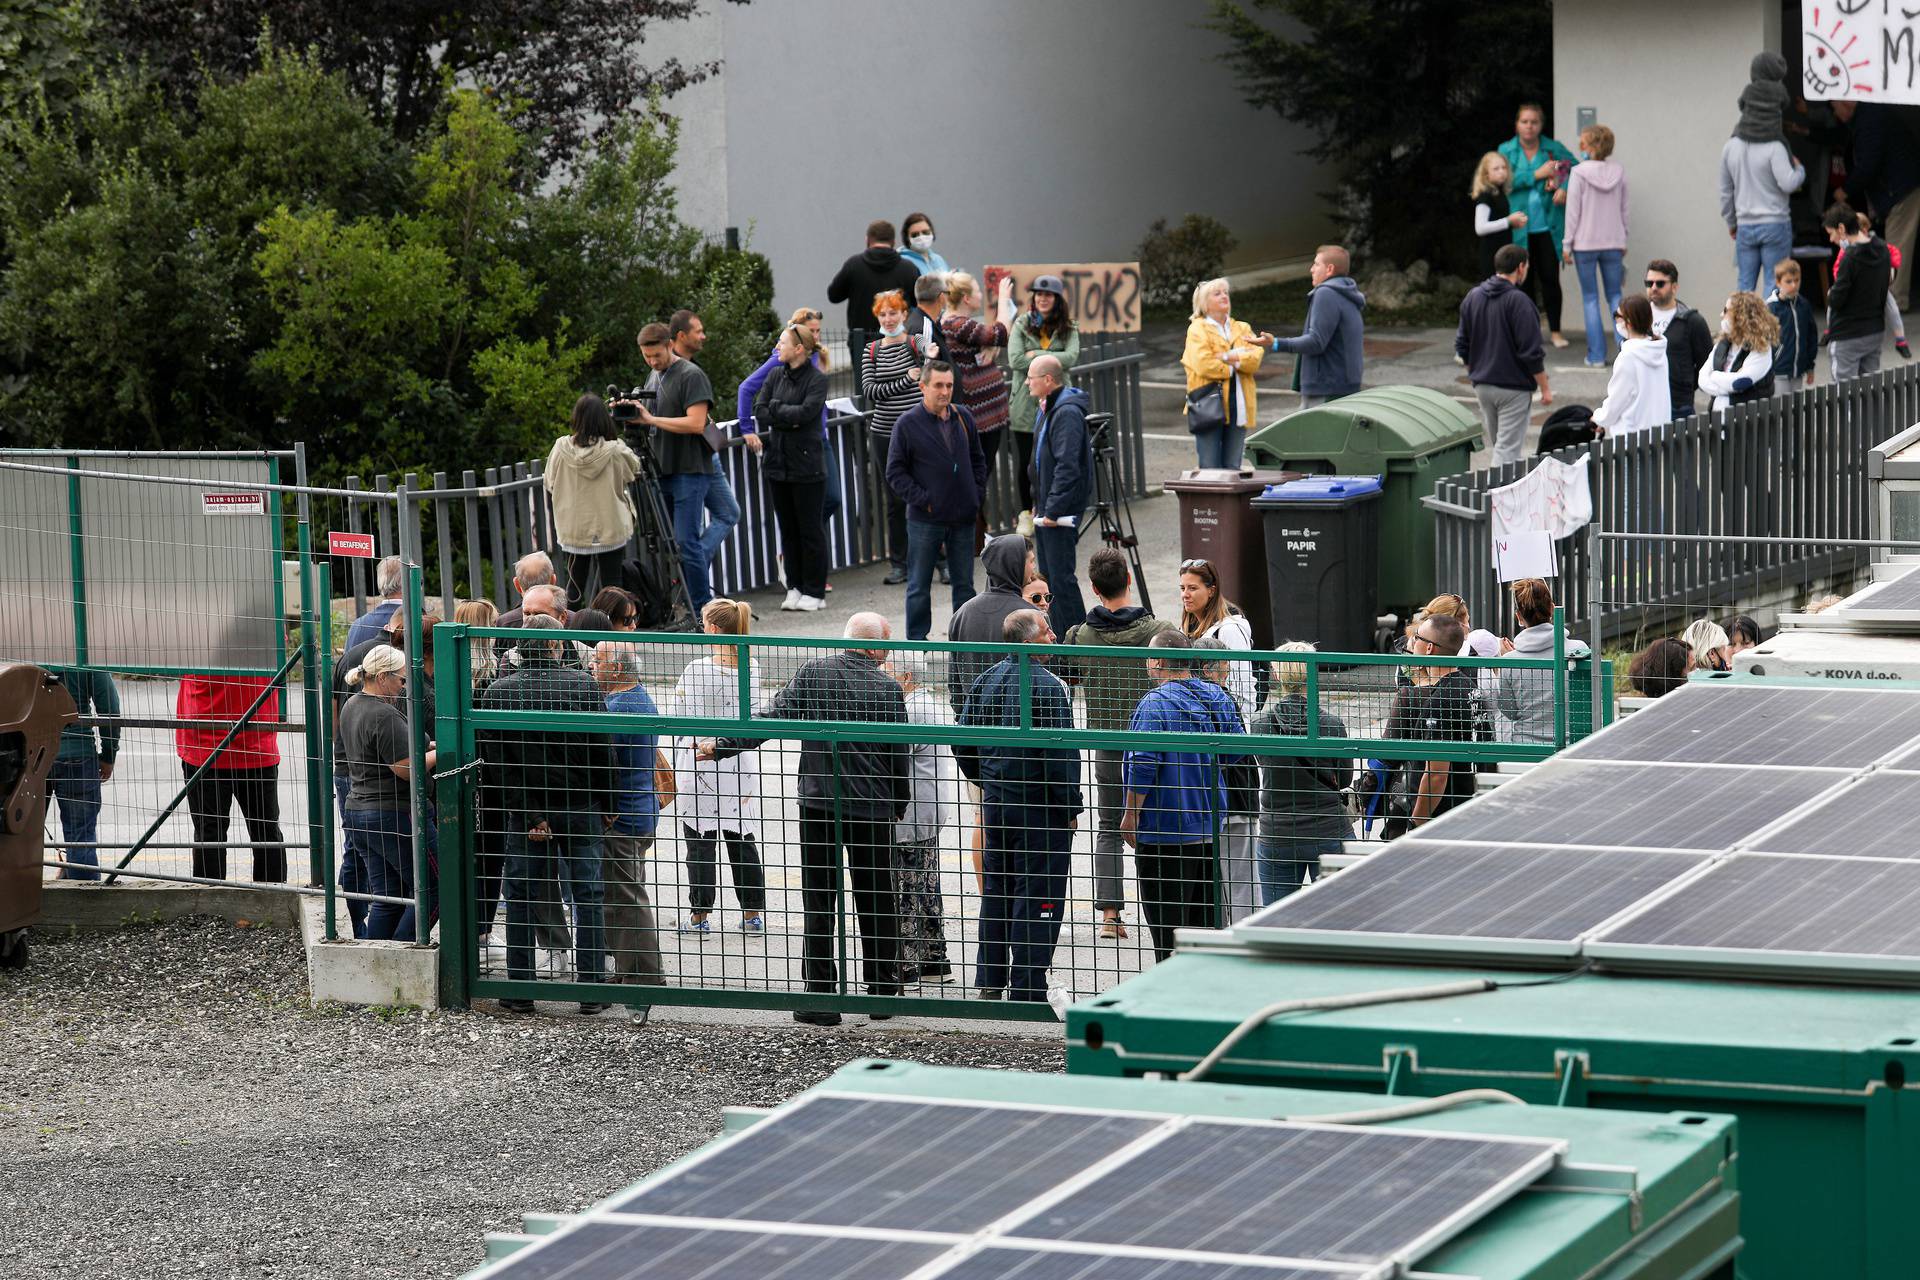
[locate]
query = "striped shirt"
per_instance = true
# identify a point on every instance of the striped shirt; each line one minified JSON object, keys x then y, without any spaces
{"x":884,"y":382}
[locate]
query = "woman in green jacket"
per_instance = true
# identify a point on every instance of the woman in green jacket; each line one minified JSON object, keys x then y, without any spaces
{"x":1540,"y":167}
{"x":1046,"y":329}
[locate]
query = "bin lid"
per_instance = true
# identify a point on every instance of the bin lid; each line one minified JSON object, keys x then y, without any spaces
{"x":1320,"y":489}
{"x":1365,"y":430}
{"x":1226,"y":480}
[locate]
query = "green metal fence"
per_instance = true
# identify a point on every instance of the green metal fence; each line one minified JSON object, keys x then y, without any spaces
{"x":771,"y":748}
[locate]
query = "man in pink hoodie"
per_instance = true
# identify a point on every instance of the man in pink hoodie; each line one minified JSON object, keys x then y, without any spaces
{"x":1596,"y":239}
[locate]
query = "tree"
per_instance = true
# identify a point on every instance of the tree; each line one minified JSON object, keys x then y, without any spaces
{"x":572,"y":62}
{"x":1404,"y":96}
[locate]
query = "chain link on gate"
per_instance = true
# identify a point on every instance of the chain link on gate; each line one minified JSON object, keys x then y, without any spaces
{"x":831,"y":827}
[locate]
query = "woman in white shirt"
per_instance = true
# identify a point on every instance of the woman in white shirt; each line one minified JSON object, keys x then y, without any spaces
{"x":723,"y":802}
{"x":1638,"y":396}
{"x":1207,"y":613}
{"x":1741,"y":366}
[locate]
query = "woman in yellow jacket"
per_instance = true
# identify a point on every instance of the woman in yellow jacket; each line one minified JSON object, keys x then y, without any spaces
{"x":1225,"y":351}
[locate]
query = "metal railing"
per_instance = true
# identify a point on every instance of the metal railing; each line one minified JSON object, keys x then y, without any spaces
{"x":1779,"y":478}
{"x":585,"y":920}
{"x":475,"y":526}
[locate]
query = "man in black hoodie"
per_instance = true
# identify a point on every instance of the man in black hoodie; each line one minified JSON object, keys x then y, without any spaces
{"x":865,"y":276}
{"x":1856,"y":305}
{"x":1008,"y":561}
{"x":1499,"y":341}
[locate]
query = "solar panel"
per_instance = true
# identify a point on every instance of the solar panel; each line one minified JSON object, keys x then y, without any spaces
{"x":1633,"y":806}
{"x":1772,"y":914}
{"x":1872,"y":818}
{"x":1002,"y":1263}
{"x":1899,"y":596}
{"x":1324,"y":1193}
{"x":1758,"y":724}
{"x":628,"y":1251}
{"x":1509,"y":894}
{"x":872,"y":1162}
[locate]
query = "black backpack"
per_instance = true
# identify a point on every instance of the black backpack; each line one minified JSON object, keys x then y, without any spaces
{"x":1567,"y":427}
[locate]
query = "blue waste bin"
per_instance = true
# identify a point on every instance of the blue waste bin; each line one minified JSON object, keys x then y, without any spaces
{"x":1323,"y":560}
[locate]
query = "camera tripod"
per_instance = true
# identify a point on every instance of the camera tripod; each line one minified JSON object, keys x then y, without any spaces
{"x":1110,"y":507}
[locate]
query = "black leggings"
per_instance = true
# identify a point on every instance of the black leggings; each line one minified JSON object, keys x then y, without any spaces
{"x":797,"y":506}
{"x":703,"y":871}
{"x":1023,"y":449}
{"x":1543,"y":276}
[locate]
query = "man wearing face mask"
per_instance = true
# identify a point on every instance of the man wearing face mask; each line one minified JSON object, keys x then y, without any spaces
{"x":917,"y":231}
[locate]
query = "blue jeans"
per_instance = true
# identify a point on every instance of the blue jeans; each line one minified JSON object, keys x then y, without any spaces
{"x":351,"y":875}
{"x":1218,"y":448}
{"x":1284,"y":864}
{"x":1598,"y":271}
{"x":75,"y":783}
{"x":692,"y":495}
{"x":573,"y":855}
{"x":1756,"y":248}
{"x":927,"y":543}
{"x":383,"y":838}
{"x":1025,"y":859}
{"x":1055,"y":555}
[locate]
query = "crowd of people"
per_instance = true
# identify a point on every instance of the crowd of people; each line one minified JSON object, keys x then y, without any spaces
{"x":1705,"y":645}
{"x":565,"y":821}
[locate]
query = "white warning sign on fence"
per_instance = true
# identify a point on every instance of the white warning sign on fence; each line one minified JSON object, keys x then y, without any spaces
{"x":233,"y":504}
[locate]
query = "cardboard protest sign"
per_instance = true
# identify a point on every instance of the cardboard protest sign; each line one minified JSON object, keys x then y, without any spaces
{"x":1103,"y":296}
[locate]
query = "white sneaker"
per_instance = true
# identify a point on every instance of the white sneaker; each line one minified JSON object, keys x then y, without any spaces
{"x":792,"y":601}
{"x":810,"y":604}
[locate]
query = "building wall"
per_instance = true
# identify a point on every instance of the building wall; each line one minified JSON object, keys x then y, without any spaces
{"x":1029,"y":132}
{"x":1666,"y":77}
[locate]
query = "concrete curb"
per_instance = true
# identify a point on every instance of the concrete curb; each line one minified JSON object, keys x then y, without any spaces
{"x":366,"y":973}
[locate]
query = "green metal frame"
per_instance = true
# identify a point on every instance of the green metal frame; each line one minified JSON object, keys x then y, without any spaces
{"x":457,"y":723}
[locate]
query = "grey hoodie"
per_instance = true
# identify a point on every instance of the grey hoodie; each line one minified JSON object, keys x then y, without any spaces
{"x":1525,"y":698}
{"x":984,"y":618}
{"x":1329,"y":347}
{"x":1755,"y":180}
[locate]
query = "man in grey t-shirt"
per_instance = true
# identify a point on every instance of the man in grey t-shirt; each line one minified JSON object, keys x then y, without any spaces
{"x":696,"y":492}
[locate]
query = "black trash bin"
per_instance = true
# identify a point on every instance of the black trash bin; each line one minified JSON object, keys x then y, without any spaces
{"x":1323,"y":543}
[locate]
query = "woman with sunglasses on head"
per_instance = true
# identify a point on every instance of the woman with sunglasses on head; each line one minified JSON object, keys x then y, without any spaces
{"x":1206,"y":613}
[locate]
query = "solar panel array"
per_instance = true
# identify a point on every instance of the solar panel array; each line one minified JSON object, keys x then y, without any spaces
{"x":1901,"y":595}
{"x":1753,"y":829}
{"x":883,"y":1188}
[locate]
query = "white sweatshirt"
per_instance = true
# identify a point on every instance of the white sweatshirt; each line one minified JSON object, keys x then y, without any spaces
{"x":1748,"y":367}
{"x":1637,"y":393}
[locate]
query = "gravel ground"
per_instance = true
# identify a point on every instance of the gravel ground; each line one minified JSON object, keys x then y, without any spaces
{"x":169,"y":1105}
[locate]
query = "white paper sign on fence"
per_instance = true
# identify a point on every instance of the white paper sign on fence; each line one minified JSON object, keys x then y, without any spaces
{"x":1863,"y":50}
{"x":1525,"y":553}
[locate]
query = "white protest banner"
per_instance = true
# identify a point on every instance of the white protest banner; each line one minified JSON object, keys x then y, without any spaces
{"x":1862,"y":50}
{"x":1525,"y":553}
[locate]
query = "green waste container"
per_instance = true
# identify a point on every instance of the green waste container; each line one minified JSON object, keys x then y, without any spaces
{"x":1412,"y":437}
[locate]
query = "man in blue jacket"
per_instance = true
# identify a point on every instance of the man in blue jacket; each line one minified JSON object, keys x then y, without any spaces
{"x":1176,"y":797}
{"x":1062,"y":486}
{"x":1329,"y":348}
{"x":936,"y":465}
{"x":1032,"y":805}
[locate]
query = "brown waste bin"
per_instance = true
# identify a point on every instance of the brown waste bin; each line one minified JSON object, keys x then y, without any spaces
{"x":34,"y":708}
{"x":1218,"y":523}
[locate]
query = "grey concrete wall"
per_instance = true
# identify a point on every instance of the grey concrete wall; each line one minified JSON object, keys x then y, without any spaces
{"x":1032,"y":132}
{"x":1666,"y":78}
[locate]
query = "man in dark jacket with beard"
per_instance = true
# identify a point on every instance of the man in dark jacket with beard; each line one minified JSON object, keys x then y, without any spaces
{"x":851,"y":794}
{"x":865,"y":276}
{"x":1062,"y":486}
{"x":982,"y":620}
{"x":1111,"y":688}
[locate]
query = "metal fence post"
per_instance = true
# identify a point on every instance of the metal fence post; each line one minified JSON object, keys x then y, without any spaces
{"x":329,"y":869}
{"x":417,"y":782}
{"x":453,"y":795}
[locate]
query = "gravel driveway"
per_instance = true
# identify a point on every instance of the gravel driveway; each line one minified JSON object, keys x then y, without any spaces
{"x":169,"y":1105}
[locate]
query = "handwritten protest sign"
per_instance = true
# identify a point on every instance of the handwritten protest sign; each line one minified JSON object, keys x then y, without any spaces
{"x":1104,"y":296}
{"x":1864,"y":50}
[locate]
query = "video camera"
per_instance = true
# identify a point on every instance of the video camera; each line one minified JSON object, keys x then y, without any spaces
{"x":625,"y":406}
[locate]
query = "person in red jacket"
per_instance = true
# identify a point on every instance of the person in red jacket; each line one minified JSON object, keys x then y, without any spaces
{"x":247,"y":772}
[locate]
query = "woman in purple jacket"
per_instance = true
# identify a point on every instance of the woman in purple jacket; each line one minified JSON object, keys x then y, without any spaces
{"x":1596,"y":239}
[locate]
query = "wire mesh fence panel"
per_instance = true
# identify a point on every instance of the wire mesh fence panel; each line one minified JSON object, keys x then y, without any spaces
{"x":881,"y":826}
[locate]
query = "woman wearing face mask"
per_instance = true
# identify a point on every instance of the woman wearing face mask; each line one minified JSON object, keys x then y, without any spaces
{"x":890,"y":380}
{"x":917,"y":231}
{"x":1741,"y":366}
{"x":1046,"y":329}
{"x":1638,"y":392}
{"x":787,"y":411}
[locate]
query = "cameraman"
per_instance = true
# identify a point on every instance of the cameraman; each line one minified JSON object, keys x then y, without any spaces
{"x":690,"y":475}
